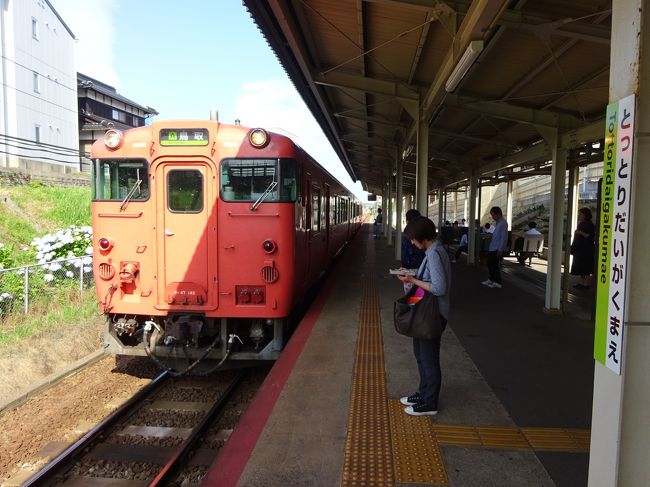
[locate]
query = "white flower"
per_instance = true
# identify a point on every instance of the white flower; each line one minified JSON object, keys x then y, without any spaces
{"x":89,"y":250}
{"x":69,"y":274}
{"x":55,"y":267}
{"x":87,"y":260}
{"x":48,"y":277}
{"x":88,"y":269}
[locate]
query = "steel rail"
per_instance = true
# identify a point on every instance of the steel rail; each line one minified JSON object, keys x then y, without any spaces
{"x":67,"y":458}
{"x":170,"y":469}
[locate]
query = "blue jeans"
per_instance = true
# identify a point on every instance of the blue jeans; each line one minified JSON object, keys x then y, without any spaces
{"x":427,"y":355}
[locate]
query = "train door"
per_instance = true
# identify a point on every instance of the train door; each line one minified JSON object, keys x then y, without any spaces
{"x":185,"y":231}
{"x":308,"y":265}
{"x":316,"y":233}
{"x":326,"y":222}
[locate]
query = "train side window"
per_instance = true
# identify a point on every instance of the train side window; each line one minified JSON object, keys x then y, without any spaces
{"x":114,"y":179}
{"x":315,"y":209}
{"x":289,"y":180}
{"x":185,"y":191}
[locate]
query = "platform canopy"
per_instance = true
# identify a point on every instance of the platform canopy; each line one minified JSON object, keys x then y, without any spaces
{"x":487,"y":76}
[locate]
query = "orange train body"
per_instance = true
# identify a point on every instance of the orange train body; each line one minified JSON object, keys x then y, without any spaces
{"x":202,"y":230}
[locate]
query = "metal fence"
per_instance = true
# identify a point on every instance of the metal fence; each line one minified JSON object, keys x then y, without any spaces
{"x":20,"y":286}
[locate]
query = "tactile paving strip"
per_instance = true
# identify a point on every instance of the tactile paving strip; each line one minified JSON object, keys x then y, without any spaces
{"x":368,"y":459}
{"x":552,"y":439}
{"x":415,"y":450}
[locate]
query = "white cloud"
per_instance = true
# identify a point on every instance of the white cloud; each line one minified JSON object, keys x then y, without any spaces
{"x":92,"y":23}
{"x":276,"y":106}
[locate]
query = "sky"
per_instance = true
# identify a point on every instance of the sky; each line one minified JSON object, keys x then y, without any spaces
{"x":184,"y":58}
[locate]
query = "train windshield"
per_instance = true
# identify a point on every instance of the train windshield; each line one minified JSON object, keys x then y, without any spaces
{"x":248,"y":179}
{"x":117,"y":179}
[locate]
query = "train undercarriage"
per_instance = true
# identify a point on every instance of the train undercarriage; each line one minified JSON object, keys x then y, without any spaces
{"x":194,"y":338}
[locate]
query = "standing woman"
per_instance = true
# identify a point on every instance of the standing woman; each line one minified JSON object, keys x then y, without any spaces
{"x":582,"y":248}
{"x":378,"y":222}
{"x":434,"y":277}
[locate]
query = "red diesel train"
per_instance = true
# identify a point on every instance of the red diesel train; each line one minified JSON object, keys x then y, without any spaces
{"x":206,"y":237}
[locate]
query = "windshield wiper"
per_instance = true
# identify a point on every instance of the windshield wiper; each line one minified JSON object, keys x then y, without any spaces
{"x":136,"y":186}
{"x":264,"y":195}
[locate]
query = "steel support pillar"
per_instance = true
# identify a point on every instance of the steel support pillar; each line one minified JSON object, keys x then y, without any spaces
{"x":571,"y":223}
{"x":558,"y":180}
{"x":400,"y":203}
{"x":509,"y":204}
{"x":389,"y":212}
{"x":441,"y":207}
{"x":473,"y":227}
{"x":422,"y":168}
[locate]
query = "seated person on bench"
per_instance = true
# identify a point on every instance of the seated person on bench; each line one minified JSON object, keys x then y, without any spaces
{"x":519,"y":241}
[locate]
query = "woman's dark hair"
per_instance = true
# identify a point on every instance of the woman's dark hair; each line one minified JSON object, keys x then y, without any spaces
{"x":412,"y":214}
{"x":496,"y":210}
{"x":586,"y":212}
{"x":420,"y":229}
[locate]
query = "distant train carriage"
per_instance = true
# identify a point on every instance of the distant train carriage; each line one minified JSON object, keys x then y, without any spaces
{"x":208,"y":235}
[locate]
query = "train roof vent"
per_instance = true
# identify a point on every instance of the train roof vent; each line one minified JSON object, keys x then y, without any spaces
{"x":270,"y":274}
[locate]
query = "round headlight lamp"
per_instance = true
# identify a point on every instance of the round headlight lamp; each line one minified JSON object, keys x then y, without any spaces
{"x":105,"y":244}
{"x":113,"y":139}
{"x":269,"y":246}
{"x":258,"y":138}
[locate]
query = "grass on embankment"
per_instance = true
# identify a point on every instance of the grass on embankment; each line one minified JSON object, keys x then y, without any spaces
{"x":34,"y":210}
{"x":30,"y":211}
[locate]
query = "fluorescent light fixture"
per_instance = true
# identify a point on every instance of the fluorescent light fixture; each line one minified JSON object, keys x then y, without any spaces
{"x":466,"y":61}
{"x":407,"y":151}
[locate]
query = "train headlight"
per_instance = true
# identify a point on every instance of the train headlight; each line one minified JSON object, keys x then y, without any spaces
{"x":258,"y":138}
{"x":269,"y":246}
{"x":105,"y":244}
{"x":113,"y":139}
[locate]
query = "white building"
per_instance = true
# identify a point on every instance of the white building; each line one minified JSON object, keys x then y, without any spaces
{"x":38,"y":96}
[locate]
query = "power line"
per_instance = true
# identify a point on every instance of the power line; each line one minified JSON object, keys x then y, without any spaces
{"x":43,"y":144}
{"x":34,"y":71}
{"x":40,"y":98}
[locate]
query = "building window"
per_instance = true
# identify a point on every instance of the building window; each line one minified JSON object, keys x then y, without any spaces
{"x":34,"y":28}
{"x":118,"y":115}
{"x":37,"y":133}
{"x":37,"y":83}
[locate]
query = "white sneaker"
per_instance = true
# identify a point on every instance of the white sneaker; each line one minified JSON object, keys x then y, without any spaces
{"x":487,"y":283}
{"x":496,"y":285}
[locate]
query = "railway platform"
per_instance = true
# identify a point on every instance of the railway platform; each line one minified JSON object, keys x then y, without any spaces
{"x":515,"y":404}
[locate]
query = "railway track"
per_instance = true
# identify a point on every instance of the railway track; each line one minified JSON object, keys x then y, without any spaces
{"x":153,"y":439}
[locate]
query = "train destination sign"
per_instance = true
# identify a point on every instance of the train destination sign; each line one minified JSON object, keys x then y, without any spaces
{"x":171,"y":137}
{"x":612,"y":259}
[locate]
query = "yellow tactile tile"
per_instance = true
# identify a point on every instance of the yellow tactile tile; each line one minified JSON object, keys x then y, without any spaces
{"x":416,"y":454}
{"x":368,"y":455}
{"x":554,"y":439}
{"x":558,"y":439}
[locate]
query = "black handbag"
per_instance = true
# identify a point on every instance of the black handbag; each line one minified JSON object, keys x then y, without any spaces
{"x":418,"y":320}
